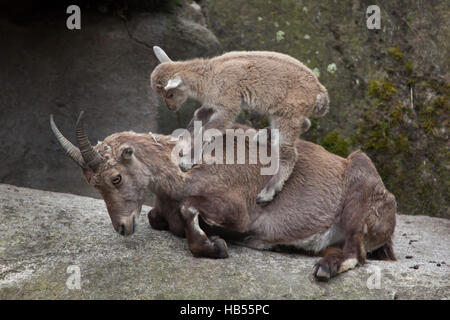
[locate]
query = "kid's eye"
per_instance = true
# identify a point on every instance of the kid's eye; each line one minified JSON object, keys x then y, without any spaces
{"x":170,"y":95}
{"x":116,"y":180}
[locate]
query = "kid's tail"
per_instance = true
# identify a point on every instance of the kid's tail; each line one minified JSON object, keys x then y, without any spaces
{"x":322,"y":102}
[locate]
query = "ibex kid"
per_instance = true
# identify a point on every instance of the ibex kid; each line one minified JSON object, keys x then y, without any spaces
{"x":268,"y":83}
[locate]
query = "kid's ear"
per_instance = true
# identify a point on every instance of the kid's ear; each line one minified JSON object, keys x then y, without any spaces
{"x":173,"y":83}
{"x":127,"y":153}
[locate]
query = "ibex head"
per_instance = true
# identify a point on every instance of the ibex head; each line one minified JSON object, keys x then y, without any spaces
{"x":167,"y":82}
{"x":112,"y":168}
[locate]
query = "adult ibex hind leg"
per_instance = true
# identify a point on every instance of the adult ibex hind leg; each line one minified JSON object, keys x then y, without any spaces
{"x":353,"y":252}
{"x":290,"y":129}
{"x":368,"y":220}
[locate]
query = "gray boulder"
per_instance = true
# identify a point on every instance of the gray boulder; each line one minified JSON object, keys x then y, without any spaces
{"x":44,"y":233}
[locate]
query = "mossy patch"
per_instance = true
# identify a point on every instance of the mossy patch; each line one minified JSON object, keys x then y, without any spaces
{"x":405,"y":139}
{"x":336,"y":143}
{"x":395,"y":52}
{"x":382,"y":89}
{"x":370,"y":95}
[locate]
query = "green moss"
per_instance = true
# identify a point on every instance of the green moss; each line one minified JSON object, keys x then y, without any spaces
{"x":389,"y":132}
{"x":373,"y":137}
{"x":401,"y":143}
{"x":409,"y":67}
{"x":336,"y":143}
{"x":376,"y":111}
{"x":427,"y":120}
{"x":382,"y":89}
{"x":395,"y":52}
{"x":396,"y":112}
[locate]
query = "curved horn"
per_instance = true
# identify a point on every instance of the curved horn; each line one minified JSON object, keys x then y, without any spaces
{"x":70,"y":150}
{"x":90,"y":156}
{"x":161,"y":55}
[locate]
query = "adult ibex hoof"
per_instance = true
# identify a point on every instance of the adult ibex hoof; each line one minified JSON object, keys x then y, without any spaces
{"x":321,"y":272}
{"x":221,"y":247}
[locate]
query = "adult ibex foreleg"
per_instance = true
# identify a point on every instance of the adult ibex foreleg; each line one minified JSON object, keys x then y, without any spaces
{"x":221,"y":211}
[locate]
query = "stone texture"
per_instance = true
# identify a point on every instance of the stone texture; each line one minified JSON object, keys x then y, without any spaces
{"x":389,"y":89}
{"x":103,"y":69}
{"x":44,"y":232}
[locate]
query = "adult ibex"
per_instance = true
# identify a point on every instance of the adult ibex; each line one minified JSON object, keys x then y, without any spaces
{"x":327,"y":201}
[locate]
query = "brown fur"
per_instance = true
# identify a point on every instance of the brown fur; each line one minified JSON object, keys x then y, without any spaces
{"x":327,"y":201}
{"x":268,"y":83}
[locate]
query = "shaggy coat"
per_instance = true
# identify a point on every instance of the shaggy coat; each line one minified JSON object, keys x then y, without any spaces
{"x":327,"y":201}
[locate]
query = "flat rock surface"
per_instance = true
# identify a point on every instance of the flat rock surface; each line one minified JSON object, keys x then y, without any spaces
{"x":43,"y":233}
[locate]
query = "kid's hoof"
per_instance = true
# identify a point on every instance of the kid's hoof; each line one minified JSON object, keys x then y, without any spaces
{"x":265,"y":196}
{"x":186,"y":166}
{"x":321,"y":272}
{"x":221,"y":247}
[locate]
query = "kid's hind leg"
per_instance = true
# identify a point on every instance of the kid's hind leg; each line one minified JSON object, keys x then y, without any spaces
{"x":289,"y":131}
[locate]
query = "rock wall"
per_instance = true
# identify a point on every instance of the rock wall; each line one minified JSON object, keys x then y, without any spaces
{"x":103,"y":69}
{"x":389,"y":88}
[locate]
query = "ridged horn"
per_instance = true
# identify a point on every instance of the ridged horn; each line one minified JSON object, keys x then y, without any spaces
{"x":90,"y":156}
{"x":70,"y":150}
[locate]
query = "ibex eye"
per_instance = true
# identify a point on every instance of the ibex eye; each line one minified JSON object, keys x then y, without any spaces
{"x":117,"y":179}
{"x":170,"y":95}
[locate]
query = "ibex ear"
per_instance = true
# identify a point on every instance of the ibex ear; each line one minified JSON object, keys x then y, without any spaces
{"x":161,"y":55}
{"x":127,"y":153}
{"x":173,"y":83}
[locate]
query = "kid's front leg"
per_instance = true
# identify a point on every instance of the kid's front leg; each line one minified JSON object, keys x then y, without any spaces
{"x":203,"y":133}
{"x":285,"y":153}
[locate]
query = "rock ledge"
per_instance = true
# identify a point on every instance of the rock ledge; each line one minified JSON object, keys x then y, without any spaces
{"x":43,"y":233}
